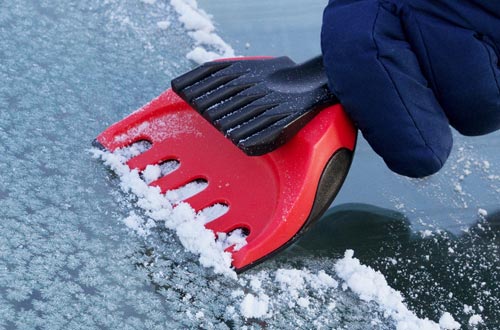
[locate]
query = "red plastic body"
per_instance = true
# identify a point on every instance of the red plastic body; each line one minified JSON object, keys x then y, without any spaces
{"x":270,"y":195}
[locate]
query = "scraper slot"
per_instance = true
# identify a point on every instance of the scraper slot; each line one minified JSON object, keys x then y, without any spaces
{"x":213,"y":212}
{"x":135,"y":149}
{"x":184,"y":192}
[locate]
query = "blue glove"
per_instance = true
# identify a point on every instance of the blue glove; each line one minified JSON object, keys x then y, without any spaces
{"x":406,"y":70}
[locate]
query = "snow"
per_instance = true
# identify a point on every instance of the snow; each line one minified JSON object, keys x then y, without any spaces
{"x":426,"y":233}
{"x":482,"y":212}
{"x":303,"y":302}
{"x":294,"y":284}
{"x":135,"y":222}
{"x":447,"y":322}
{"x":371,"y":285}
{"x":475,"y":320}
{"x":468,"y":309}
{"x":78,"y":253}
{"x":163,"y":25}
{"x":186,"y":191}
{"x":236,"y":238}
{"x":256,"y":307}
{"x":208,"y":44}
{"x":151,"y":173}
{"x":181,"y":218}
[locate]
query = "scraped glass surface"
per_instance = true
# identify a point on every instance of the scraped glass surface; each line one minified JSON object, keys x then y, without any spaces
{"x":69,"y":69}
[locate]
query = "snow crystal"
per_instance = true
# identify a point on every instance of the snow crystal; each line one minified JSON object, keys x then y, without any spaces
{"x":291,"y":279}
{"x":323,"y":280}
{"x":448,"y":322}
{"x":475,"y":320}
{"x":163,"y":25}
{"x":303,"y":302}
{"x":137,"y":224}
{"x":256,"y":283}
{"x":331,"y":306}
{"x":458,"y":188}
{"x":482,"y":212}
{"x":426,"y":233}
{"x":253,"y":306}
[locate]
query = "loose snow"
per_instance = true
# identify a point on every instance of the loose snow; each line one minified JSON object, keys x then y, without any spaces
{"x":475,"y":319}
{"x":482,"y":212}
{"x":180,"y":217}
{"x":163,"y":25}
{"x":253,"y":306}
{"x":447,"y":322}
{"x":371,"y":285}
{"x":295,"y":284}
{"x":208,"y":44}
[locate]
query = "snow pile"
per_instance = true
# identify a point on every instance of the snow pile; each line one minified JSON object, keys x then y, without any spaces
{"x":370,"y":285}
{"x":447,"y":322}
{"x":188,"y":225}
{"x":293,"y":281}
{"x":209,"y":45}
{"x":297,"y":288}
{"x":256,"y":307}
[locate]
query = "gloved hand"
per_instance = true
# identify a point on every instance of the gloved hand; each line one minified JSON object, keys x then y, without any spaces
{"x":406,"y":69}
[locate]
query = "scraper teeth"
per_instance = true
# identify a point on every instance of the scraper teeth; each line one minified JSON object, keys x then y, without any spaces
{"x":235,"y":103}
{"x":208,"y":85}
{"x":242,"y":116}
{"x":219,"y":95}
{"x":254,"y":126}
{"x":190,"y":78}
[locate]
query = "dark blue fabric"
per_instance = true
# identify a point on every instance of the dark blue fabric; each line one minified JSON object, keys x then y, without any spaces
{"x":406,"y":70}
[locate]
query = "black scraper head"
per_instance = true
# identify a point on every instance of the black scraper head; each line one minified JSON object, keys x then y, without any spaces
{"x":258,"y":103}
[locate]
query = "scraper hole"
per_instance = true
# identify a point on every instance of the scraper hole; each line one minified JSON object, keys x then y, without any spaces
{"x":244,"y":231}
{"x":154,"y":172}
{"x":135,"y":149}
{"x":186,"y":191}
{"x":169,"y":166}
{"x":236,"y":238}
{"x":213,"y":212}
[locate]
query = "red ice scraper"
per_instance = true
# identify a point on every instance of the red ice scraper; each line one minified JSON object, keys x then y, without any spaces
{"x":267,"y":136}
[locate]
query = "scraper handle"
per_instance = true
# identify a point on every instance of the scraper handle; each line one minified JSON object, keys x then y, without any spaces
{"x":257,"y":103}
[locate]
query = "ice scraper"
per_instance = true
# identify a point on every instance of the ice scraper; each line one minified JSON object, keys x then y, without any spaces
{"x":265,"y":134}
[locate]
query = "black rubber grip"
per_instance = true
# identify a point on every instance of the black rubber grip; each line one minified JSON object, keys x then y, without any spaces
{"x":258,"y":104}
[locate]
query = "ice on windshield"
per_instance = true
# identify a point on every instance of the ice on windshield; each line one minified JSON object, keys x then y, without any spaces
{"x":80,"y":250}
